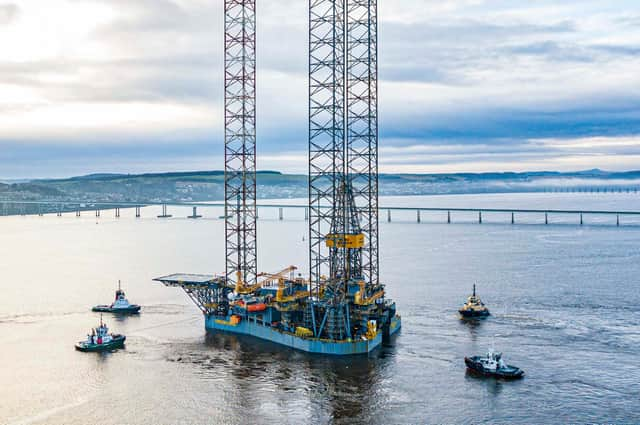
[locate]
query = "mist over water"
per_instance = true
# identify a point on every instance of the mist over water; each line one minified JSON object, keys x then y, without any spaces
{"x":563,"y":299}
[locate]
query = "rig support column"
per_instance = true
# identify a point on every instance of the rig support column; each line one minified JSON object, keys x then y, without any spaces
{"x":137,"y":212}
{"x":306,"y":214}
{"x":546,"y":218}
{"x":389,"y":216}
{"x":418,"y":216}
{"x":479,"y":217}
{"x":617,"y":220}
{"x":513,"y":218}
{"x":581,"y":220}
{"x":448,"y":217}
{"x":280,"y":214}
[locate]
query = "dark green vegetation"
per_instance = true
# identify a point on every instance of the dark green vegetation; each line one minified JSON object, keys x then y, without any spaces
{"x":209,"y":185}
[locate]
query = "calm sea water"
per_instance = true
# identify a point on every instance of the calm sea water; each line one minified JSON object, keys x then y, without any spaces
{"x":564,"y":300}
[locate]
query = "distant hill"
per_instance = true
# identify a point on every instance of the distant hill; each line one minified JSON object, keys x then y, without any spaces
{"x":209,"y":185}
{"x":170,"y":175}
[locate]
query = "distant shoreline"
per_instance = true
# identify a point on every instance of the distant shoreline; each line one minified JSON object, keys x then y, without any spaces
{"x":206,"y":186}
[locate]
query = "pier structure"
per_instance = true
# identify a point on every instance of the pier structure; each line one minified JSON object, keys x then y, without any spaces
{"x":194,"y":214}
{"x":164,"y":214}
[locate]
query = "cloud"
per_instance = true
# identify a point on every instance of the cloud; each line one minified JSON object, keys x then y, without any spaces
{"x":613,"y":153}
{"x":8,"y":13}
{"x":472,"y":78}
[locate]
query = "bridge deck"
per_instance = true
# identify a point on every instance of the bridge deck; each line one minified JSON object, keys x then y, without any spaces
{"x":95,"y":205}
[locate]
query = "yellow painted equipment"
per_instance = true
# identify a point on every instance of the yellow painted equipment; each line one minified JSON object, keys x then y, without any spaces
{"x":233,"y":321}
{"x":287,"y":306}
{"x":280,"y":278}
{"x":372,"y":329}
{"x":303,"y":332}
{"x":360,"y":300}
{"x":340,"y":240}
{"x":269,"y":278}
{"x":299,"y":295}
{"x":360,"y":297}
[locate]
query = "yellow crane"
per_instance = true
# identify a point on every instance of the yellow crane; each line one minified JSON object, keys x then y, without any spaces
{"x":280,"y":277}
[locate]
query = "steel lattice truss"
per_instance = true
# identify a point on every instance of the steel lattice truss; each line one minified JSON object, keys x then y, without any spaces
{"x":343,"y":129}
{"x":240,"y":141}
{"x":362,"y":124}
{"x":326,"y":126}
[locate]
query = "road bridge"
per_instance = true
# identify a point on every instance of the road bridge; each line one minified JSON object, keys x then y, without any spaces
{"x":387,"y":212}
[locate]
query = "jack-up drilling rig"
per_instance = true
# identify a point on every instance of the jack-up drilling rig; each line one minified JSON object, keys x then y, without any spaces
{"x":341,"y":309}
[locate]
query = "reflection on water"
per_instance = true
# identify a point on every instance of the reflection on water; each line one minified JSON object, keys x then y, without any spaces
{"x":345,"y":386}
{"x":492,"y":385}
{"x":473,"y":325}
{"x":121,"y":318}
{"x":564,"y":302}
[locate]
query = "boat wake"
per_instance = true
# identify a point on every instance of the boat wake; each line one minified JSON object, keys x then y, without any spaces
{"x":40,"y":417}
{"x":30,"y":318}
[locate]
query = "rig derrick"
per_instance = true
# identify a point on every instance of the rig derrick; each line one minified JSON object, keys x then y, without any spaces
{"x":341,"y":309}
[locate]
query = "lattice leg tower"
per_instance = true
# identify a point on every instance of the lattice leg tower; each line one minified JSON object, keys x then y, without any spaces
{"x":362,"y":124}
{"x":240,"y":141}
{"x":326,"y":127}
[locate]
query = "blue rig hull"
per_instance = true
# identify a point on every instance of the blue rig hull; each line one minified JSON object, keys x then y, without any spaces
{"x":309,"y":345}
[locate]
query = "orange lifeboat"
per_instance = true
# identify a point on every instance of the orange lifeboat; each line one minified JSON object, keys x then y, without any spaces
{"x":251,"y":308}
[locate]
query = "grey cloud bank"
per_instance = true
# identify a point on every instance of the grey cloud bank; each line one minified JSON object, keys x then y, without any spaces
{"x":136,"y":85}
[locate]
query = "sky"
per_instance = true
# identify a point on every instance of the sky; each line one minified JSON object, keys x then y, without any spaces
{"x":92,"y":86}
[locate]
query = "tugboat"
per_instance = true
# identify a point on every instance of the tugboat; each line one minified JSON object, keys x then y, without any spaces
{"x":493,"y":365}
{"x":474,"y":307}
{"x":101,"y":340}
{"x":120,"y":305}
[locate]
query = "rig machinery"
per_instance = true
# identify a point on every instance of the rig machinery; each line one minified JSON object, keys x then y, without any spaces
{"x":341,"y":309}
